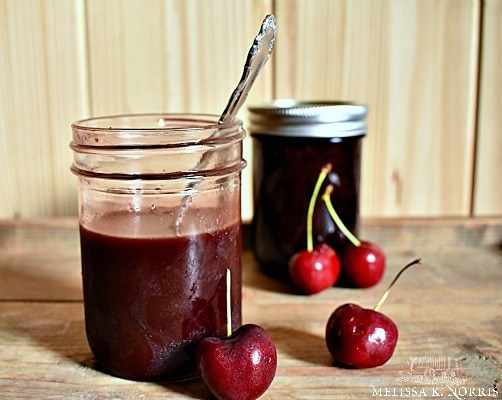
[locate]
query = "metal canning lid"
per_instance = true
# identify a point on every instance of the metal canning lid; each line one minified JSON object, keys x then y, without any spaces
{"x":310,"y":119}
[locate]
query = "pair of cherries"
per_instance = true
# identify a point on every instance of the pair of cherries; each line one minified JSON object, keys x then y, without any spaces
{"x":315,"y":269}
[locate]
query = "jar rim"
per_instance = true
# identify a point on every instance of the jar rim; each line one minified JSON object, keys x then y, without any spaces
{"x":156,"y":146}
{"x":211,"y":119}
{"x":153,"y":129}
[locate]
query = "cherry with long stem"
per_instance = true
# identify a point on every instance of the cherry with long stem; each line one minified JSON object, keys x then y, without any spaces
{"x":362,"y":261}
{"x":361,"y":337}
{"x":240,"y":365}
{"x":314,"y":269}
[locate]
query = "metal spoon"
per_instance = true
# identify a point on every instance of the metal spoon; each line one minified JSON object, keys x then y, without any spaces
{"x":258,"y":55}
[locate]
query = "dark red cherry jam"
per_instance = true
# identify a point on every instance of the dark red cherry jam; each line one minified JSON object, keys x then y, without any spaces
{"x":150,"y":300}
{"x":291,"y":144}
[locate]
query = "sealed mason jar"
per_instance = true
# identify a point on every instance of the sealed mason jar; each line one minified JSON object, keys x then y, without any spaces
{"x":292,"y":141}
{"x":160,"y":223}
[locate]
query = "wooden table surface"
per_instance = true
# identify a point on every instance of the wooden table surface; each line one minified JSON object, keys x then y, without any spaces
{"x":448,"y":312}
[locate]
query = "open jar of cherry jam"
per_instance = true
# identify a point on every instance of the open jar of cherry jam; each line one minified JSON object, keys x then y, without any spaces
{"x":292,"y":141}
{"x":160,"y":224}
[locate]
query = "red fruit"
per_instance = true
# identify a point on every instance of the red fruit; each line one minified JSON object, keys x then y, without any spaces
{"x":240,"y":367}
{"x":314,"y":271}
{"x":359,"y":337}
{"x":364,"y":264}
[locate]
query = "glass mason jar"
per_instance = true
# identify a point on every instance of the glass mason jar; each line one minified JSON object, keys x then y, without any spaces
{"x":160,"y":223}
{"x":292,"y":141}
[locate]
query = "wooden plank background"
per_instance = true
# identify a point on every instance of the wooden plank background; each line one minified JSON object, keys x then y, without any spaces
{"x":429,"y":71}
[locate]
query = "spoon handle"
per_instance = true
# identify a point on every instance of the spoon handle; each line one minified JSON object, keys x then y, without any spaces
{"x":256,"y":59}
{"x":258,"y":55}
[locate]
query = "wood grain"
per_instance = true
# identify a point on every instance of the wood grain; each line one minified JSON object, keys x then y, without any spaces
{"x":44,"y":89}
{"x":448,"y":307}
{"x":414,"y":63}
{"x":488,"y":180}
{"x":172,"y":56}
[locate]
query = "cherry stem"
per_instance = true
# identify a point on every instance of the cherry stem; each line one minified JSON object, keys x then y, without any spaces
{"x":348,"y":234}
{"x":386,"y":294}
{"x":310,"y":213}
{"x":229,"y":304}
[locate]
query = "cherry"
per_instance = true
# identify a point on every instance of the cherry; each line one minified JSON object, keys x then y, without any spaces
{"x":240,"y":366}
{"x":364,"y":264}
{"x":313,"y":270}
{"x":362,"y":338}
{"x":362,"y":261}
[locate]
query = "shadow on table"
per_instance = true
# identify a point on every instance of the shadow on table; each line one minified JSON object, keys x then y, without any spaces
{"x":301,"y":345}
{"x":66,"y":337}
{"x":195,"y":389}
{"x":260,"y":281}
{"x":42,"y":280}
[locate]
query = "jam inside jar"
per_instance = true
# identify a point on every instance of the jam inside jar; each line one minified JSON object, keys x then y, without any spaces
{"x":160,"y":224}
{"x":292,"y":141}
